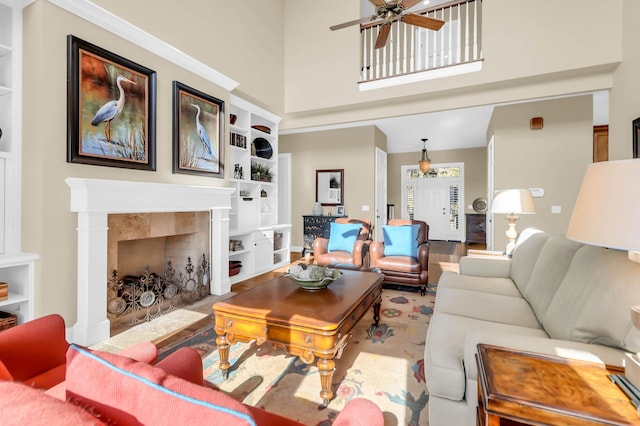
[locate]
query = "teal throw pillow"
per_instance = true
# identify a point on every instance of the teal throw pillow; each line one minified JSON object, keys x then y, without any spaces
{"x":401,"y":240}
{"x":343,"y":236}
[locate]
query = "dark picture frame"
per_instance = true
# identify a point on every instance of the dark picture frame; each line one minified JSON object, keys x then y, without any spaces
{"x":636,"y":137}
{"x":330,"y":187}
{"x":111,"y":103}
{"x":198,"y":132}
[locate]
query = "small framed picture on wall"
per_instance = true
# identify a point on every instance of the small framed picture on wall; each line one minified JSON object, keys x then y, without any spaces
{"x":339,"y":210}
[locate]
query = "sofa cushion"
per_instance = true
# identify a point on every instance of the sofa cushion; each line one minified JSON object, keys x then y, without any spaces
{"x":401,"y":240}
{"x":343,"y":236}
{"x":525,"y":255}
{"x":549,"y":271}
{"x":486,"y":306}
{"x":21,"y":404}
{"x":593,"y":302}
{"x":444,"y":352}
{"x":504,"y":286}
{"x":125,"y":391}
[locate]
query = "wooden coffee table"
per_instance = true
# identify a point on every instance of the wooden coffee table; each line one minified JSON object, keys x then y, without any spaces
{"x":307,"y":324}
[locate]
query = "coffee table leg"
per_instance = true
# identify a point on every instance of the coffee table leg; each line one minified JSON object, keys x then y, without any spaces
{"x":376,"y":312}
{"x":326,"y":368}
{"x":223,"y":351}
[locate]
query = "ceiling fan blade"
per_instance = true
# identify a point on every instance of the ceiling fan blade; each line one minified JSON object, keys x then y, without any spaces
{"x":408,"y":4}
{"x":383,"y":35}
{"x":423,"y":21}
{"x":350,"y":23}
{"x":378,"y":2}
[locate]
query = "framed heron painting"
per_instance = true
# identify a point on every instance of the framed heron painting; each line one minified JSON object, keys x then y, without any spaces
{"x":198,"y":132}
{"x":111,"y":105}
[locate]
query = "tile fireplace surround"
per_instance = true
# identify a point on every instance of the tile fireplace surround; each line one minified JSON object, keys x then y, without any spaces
{"x":94,"y":199}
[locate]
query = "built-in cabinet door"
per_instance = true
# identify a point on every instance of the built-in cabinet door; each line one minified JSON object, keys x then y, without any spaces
{"x":263,"y":250}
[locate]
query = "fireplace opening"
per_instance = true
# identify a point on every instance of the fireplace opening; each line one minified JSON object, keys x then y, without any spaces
{"x":157,"y":262}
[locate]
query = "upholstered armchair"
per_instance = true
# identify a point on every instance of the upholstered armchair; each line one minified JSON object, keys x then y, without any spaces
{"x":348,"y":244}
{"x":35,"y":352}
{"x":403,"y":256}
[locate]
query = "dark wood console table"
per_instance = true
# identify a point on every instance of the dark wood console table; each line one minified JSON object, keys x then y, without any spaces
{"x":526,"y":388}
{"x":316,"y":226}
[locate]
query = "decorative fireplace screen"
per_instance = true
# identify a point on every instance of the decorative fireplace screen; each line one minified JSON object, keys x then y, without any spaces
{"x":132,"y":300}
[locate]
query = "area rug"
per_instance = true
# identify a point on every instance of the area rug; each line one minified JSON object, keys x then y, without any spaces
{"x":442,"y":247}
{"x":383,"y":364}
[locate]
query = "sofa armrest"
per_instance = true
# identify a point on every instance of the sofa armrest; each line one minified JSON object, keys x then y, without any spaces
{"x":563,"y":348}
{"x":423,"y":256}
{"x":320,"y":246}
{"x":361,"y":252}
{"x":359,"y":412}
{"x":144,"y":351}
{"x":184,"y":363}
{"x":485,"y":266}
{"x":376,"y":251}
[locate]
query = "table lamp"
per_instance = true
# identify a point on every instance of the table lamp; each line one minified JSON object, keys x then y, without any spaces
{"x":607,"y":214}
{"x":512,"y":202}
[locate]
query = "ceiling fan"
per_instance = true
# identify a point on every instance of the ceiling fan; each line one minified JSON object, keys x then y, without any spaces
{"x":391,"y":11}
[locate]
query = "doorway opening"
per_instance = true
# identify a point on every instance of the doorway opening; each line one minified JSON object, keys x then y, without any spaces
{"x":436,"y":197}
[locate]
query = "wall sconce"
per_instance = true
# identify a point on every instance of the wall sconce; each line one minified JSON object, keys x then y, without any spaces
{"x":425,"y":162}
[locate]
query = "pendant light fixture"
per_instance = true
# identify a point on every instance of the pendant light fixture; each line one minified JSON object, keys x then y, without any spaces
{"x":425,"y":163}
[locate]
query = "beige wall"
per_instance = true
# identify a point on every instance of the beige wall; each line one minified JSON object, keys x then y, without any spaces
{"x":242,"y":39}
{"x":350,"y":149}
{"x":554,"y":51}
{"x":48,"y":227}
{"x":475,"y":172}
{"x":553,"y":158}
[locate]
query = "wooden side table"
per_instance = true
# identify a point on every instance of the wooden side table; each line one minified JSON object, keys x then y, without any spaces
{"x":517,"y":387}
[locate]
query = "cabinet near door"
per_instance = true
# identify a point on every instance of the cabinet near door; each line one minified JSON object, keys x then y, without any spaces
{"x":314,"y":227}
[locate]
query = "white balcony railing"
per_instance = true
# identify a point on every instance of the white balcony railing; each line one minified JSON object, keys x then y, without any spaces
{"x":412,"y":49}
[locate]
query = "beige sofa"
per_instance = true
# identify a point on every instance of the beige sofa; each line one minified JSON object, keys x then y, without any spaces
{"x":554,"y":296}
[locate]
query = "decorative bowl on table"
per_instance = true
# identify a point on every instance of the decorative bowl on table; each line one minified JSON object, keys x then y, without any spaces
{"x":312,"y":277}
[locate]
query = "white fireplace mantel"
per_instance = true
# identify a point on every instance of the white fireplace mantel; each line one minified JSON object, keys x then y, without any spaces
{"x":95,"y":199}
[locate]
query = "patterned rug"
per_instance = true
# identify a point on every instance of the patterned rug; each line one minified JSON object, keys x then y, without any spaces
{"x":383,"y":364}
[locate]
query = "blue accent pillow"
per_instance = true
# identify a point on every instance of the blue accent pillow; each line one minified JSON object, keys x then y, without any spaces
{"x":401,"y":240}
{"x":343,"y":236}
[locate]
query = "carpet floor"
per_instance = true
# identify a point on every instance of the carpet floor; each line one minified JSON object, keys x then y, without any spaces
{"x":383,"y":364}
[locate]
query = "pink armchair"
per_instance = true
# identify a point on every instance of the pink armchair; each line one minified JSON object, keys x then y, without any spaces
{"x":402,"y":268}
{"x":104,"y":388}
{"x":348,"y":252}
{"x":35,"y":352}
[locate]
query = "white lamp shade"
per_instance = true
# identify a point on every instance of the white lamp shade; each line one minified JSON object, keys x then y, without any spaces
{"x":513,"y":201}
{"x":607,"y":211}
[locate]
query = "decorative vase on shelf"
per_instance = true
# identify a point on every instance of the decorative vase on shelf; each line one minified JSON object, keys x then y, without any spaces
{"x":317,"y":209}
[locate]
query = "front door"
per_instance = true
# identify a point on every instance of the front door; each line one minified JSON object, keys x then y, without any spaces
{"x":432,"y":206}
{"x":436,"y":197}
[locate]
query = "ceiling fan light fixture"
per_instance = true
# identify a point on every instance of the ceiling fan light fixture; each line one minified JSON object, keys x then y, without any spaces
{"x":425,"y":162}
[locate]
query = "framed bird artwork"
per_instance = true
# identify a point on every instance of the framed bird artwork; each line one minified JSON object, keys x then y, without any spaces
{"x":198,"y":132}
{"x":111,"y":103}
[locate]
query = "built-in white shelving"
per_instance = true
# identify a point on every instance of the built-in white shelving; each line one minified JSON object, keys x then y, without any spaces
{"x":253,"y":145}
{"x":16,"y":268}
